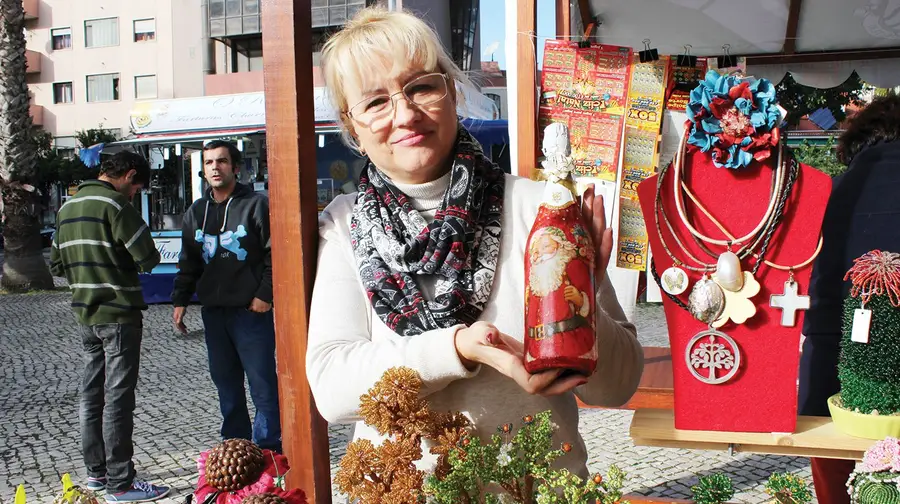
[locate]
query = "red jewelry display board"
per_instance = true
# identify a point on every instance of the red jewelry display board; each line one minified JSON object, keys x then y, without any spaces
{"x":762,"y":395}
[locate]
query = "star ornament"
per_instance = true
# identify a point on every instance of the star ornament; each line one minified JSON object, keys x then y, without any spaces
{"x":738,"y":307}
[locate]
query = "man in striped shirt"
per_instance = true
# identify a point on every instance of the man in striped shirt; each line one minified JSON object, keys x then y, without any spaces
{"x":100,"y":245}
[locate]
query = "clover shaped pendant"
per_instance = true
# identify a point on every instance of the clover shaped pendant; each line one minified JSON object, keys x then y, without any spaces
{"x":738,"y":307}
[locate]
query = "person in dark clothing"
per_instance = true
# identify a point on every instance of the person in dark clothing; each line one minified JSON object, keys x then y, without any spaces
{"x":861,"y":215}
{"x":226,"y":259}
{"x":100,"y":245}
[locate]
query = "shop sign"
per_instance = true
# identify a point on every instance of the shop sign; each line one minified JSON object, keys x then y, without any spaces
{"x":248,"y":110}
{"x":214,"y":112}
{"x":169,"y":249}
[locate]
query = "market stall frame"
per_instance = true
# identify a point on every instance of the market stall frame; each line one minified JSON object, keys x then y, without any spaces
{"x":286,"y":36}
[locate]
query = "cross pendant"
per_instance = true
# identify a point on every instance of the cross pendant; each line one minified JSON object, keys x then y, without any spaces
{"x":789,"y":303}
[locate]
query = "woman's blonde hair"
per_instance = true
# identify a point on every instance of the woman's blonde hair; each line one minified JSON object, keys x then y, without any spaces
{"x":374,"y":37}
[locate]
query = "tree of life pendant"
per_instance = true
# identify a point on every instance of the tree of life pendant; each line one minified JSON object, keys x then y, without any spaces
{"x":712,"y":357}
{"x":789,"y":303}
{"x":674,"y":280}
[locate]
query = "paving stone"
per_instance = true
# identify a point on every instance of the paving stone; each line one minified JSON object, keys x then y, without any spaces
{"x":177,"y":413}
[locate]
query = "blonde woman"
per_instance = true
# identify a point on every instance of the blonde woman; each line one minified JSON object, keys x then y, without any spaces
{"x":424,"y":266}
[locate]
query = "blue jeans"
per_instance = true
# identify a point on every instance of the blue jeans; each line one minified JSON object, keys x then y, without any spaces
{"x":239,"y":341}
{"x":112,"y":355}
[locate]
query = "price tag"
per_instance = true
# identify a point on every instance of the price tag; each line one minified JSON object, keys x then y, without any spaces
{"x":862,"y":320}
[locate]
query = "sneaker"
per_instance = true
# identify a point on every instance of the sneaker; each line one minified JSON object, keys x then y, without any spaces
{"x":140,"y":491}
{"x":96,"y":484}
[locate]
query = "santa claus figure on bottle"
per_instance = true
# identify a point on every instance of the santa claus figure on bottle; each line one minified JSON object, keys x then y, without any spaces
{"x":559,"y":271}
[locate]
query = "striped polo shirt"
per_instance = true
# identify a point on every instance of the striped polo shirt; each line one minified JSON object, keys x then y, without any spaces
{"x":100,"y":245}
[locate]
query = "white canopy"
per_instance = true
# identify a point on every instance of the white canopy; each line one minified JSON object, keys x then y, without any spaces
{"x":821,"y":42}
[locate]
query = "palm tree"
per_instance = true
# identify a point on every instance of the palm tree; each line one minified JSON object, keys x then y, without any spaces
{"x":24,"y":267}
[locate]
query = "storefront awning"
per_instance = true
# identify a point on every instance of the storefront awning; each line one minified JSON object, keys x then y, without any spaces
{"x":184,"y":137}
{"x":821,"y":42}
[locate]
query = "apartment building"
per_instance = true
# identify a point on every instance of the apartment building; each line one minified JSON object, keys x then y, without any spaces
{"x":89,"y":61}
{"x":236,"y":36}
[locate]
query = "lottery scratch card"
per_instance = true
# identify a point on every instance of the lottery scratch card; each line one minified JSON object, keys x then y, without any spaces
{"x":587,"y":89}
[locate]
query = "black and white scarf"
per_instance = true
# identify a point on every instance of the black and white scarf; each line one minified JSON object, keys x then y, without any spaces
{"x":392,"y":243}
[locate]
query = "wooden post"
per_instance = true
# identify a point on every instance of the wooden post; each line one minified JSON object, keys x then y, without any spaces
{"x":564,"y":19}
{"x":290,"y":132}
{"x":526,"y":124}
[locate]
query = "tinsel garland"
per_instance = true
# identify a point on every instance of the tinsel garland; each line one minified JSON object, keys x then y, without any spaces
{"x":870,"y":372}
{"x":874,"y":488}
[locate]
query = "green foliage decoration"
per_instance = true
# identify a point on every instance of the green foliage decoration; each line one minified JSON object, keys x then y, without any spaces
{"x":713,"y":489}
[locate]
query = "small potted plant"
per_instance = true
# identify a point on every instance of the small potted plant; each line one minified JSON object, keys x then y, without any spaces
{"x":877,"y":479}
{"x":713,"y":489}
{"x":514,"y":466}
{"x":787,"y":488}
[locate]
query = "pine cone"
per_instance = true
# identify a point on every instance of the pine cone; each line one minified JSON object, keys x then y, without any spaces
{"x":263,"y":498}
{"x":233,"y":465}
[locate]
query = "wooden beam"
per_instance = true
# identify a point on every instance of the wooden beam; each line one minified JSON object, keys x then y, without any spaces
{"x":793,"y":24}
{"x":290,"y":136}
{"x":584,"y":9}
{"x":823,"y":56}
{"x":564,"y":19}
{"x":589,"y":30}
{"x":813,"y":437}
{"x":526,"y":101}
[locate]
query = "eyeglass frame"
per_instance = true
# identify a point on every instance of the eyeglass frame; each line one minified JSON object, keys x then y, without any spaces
{"x":402,"y":92}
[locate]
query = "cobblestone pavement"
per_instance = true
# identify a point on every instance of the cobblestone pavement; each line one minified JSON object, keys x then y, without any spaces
{"x":177,"y":413}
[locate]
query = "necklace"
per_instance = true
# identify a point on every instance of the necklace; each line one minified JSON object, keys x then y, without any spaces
{"x":712,"y":356}
{"x":790,"y":301}
{"x":728,"y":265}
{"x":675,"y":281}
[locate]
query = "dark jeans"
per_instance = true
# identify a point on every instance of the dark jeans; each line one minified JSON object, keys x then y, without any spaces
{"x":239,"y":341}
{"x":112,"y":356}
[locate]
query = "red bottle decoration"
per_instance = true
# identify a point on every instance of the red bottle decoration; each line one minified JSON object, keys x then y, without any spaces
{"x":559,"y":272}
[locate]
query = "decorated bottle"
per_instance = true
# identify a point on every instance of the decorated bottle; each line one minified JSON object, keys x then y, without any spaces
{"x":559,"y":271}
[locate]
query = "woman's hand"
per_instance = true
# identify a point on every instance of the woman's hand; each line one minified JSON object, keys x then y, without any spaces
{"x":594,"y":215}
{"x":482,"y":343}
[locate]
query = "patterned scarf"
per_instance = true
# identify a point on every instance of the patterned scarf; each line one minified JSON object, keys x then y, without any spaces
{"x":392,"y":243}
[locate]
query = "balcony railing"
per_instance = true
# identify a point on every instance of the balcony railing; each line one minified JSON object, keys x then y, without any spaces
{"x":37,"y":114}
{"x":31,"y":8}
{"x":33,"y":59}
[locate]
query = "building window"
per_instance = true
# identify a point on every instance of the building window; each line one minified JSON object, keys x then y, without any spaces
{"x":334,"y":12}
{"x":145,"y":87}
{"x":62,"y":38}
{"x":62,"y":92}
{"x":103,"y":87}
{"x":497,"y":101}
{"x":101,"y":32}
{"x":144,"y":30}
{"x":463,"y":23}
{"x":247,"y":55}
{"x":65,"y":146}
{"x":230,"y":18}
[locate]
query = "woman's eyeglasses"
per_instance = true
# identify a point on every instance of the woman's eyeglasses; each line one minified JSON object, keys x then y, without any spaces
{"x":425,"y":90}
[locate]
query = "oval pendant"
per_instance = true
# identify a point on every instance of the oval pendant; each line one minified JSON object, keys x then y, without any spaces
{"x":706,"y":301}
{"x":728,"y":271}
{"x":674,"y":280}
